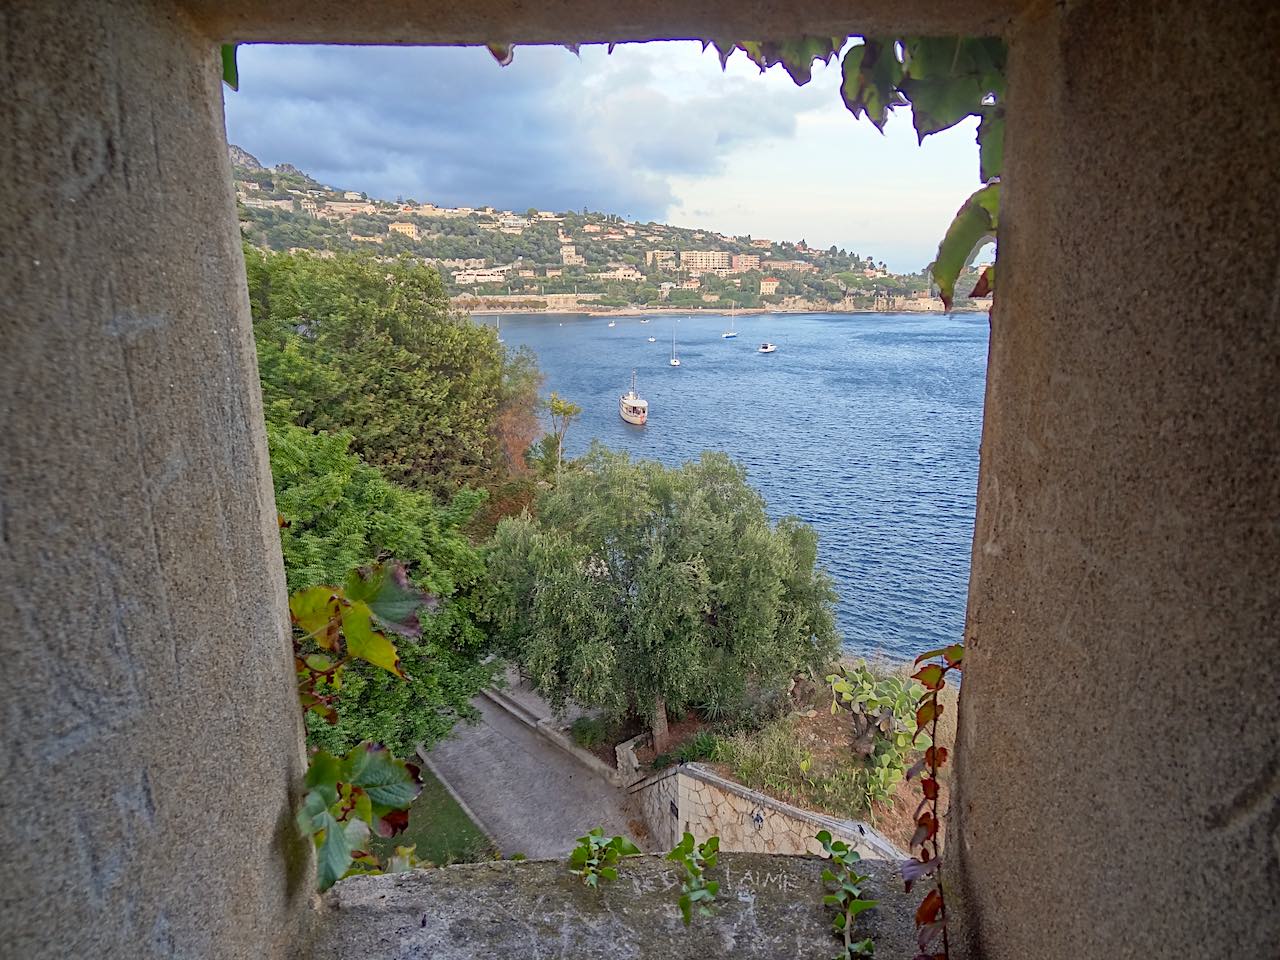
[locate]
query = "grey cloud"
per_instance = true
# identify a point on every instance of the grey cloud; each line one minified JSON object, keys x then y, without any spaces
{"x":450,"y":126}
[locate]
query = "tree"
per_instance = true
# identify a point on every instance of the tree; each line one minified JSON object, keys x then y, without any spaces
{"x":338,"y":514}
{"x":640,"y":589}
{"x":563,"y":413}
{"x":373,"y":349}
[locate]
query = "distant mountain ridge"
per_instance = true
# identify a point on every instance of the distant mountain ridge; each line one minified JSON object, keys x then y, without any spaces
{"x":240,"y":157}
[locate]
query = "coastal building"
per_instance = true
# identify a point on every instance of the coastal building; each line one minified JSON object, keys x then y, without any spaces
{"x":768,"y":286}
{"x":466,"y":278}
{"x":761,"y":244}
{"x":742,"y":262}
{"x":403,"y":228}
{"x":526,"y":273}
{"x":592,"y":228}
{"x":360,"y":238}
{"x":259,"y":203}
{"x":704,"y":260}
{"x":794,"y":266}
{"x":341,"y":209}
{"x":512,"y":221}
{"x":622,"y":272}
{"x":352,"y":195}
{"x":554,"y":272}
{"x":570,"y":257}
{"x":659,"y":258}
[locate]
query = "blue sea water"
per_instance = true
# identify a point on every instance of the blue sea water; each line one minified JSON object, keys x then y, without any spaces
{"x":865,"y":425}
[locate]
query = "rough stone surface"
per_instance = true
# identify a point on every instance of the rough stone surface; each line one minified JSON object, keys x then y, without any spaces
{"x":1118,"y":783}
{"x":693,"y":798}
{"x":150,"y":740}
{"x":559,"y":21}
{"x":768,"y":908}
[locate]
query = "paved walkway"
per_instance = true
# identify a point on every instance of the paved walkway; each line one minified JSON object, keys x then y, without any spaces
{"x":532,"y":797}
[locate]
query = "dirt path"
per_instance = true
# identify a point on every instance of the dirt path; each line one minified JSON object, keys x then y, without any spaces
{"x":534,"y":798}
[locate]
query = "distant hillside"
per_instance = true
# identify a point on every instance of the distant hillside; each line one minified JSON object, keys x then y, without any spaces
{"x":536,"y":254}
{"x":241,"y":157}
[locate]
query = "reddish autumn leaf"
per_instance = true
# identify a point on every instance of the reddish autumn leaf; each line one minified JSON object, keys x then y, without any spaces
{"x":391,"y":823}
{"x":983,"y":287}
{"x":927,"y":934}
{"x":930,"y":908}
{"x":935,"y":757}
{"x":913,"y":869}
{"x":926,"y":829}
{"x":930,"y":788}
{"x":929,"y":655}
{"x":954,"y":654}
{"x":930,"y":675}
{"x":929,"y":708}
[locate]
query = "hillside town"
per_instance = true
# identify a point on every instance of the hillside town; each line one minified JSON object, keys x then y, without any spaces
{"x":492,"y":259}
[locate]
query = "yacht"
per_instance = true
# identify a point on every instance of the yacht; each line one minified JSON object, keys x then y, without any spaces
{"x":632,"y":407}
{"x":767,"y":347}
{"x":675,"y":360}
{"x":731,"y":332}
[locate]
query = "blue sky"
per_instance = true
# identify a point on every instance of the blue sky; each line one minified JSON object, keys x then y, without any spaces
{"x":653,"y":131}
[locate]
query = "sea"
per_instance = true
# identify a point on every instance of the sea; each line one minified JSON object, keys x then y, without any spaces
{"x":867,"y":426}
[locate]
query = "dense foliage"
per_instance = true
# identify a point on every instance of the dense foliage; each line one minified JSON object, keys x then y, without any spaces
{"x":372,"y":348}
{"x":639,"y":588}
{"x":339,"y":513}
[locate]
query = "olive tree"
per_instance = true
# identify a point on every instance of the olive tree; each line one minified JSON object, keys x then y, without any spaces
{"x":641,"y":588}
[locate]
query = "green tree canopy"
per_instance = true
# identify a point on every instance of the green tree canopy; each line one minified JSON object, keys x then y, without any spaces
{"x":339,"y":513}
{"x":641,"y":588}
{"x":352,"y":344}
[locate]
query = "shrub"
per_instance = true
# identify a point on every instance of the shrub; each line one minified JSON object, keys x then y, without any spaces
{"x":701,"y":746}
{"x":592,"y":732}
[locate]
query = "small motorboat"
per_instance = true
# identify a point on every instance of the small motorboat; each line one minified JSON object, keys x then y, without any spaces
{"x":653,"y":339}
{"x":632,"y":407}
{"x":767,"y":347}
{"x":613,"y":323}
{"x":644,"y":319}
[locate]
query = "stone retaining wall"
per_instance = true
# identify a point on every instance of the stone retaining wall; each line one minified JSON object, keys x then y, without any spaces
{"x":693,"y":798}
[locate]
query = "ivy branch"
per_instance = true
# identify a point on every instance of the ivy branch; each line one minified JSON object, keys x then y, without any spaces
{"x":696,"y":889}
{"x":931,"y":915}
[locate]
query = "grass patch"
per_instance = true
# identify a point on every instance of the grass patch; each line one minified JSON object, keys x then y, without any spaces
{"x":592,"y":732}
{"x":440,"y":828}
{"x":701,"y":746}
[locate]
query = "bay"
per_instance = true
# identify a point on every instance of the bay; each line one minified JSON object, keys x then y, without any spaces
{"x":865,"y":425}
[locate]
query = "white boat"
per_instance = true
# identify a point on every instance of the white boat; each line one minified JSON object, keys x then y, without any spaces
{"x":675,"y":360}
{"x":500,"y":340}
{"x":644,"y":319}
{"x":767,"y":347}
{"x":731,"y":332}
{"x":653,"y":339}
{"x":613,"y":323}
{"x":632,"y":407}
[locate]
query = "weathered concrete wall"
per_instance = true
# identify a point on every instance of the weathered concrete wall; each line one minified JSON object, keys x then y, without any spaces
{"x":150,"y":738}
{"x":559,"y":21}
{"x":1118,"y":792}
{"x":768,"y":908}
{"x":745,"y":820}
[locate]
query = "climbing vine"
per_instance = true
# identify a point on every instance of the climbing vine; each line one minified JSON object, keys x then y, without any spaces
{"x":931,"y":915}
{"x":366,"y":790}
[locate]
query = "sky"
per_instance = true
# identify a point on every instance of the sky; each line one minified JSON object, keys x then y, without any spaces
{"x":651,"y":132}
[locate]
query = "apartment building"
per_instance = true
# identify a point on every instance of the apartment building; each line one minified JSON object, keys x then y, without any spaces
{"x":659,"y":258}
{"x":409,"y":230}
{"x":742,"y":262}
{"x":705,"y":260}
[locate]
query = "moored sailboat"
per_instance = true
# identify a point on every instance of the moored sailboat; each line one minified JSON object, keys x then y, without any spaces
{"x":675,"y":360}
{"x":731,"y":332}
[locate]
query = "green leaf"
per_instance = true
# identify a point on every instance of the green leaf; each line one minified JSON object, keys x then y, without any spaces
{"x":685,"y":909}
{"x":333,"y":853}
{"x":504,"y":53}
{"x":314,"y":610}
{"x":324,"y":770}
{"x":625,"y":847}
{"x":230,"y":71}
{"x":394,"y":601}
{"x":872,"y":74}
{"x":366,"y":643}
{"x":974,"y":224}
{"x":939,"y":104}
{"x":855,"y":907}
{"x":609,"y":873}
{"x":389,"y":782}
{"x":991,"y":143}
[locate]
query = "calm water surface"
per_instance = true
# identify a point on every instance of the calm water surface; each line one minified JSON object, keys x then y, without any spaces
{"x":866,"y":426}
